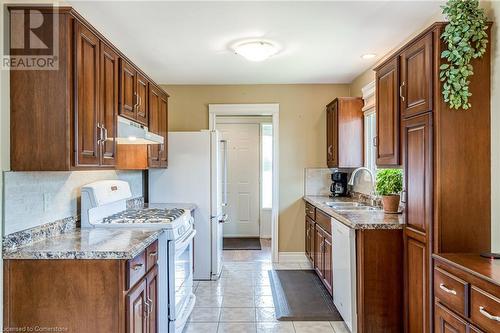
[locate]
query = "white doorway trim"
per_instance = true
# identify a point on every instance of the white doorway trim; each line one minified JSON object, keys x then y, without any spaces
{"x":272,"y":110}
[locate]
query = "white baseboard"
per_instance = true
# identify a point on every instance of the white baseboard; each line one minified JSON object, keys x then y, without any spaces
{"x":295,"y":257}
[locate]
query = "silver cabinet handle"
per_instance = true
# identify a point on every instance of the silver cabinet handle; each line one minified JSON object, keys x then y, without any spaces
{"x":147,"y":309}
{"x":330,"y":150}
{"x":136,"y":104}
{"x":153,"y":254}
{"x":99,"y":134}
{"x":137,"y":267}
{"x":375,"y":141}
{"x":150,"y":302}
{"x":401,"y":91}
{"x":403,"y":196}
{"x":488,"y":315}
{"x":105,"y":133}
{"x":446,"y":290}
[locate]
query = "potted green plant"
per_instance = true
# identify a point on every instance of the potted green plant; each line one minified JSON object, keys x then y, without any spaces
{"x":389,"y":185}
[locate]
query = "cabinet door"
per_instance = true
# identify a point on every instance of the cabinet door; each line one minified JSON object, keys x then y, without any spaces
{"x":128,"y":97}
{"x":109,"y":103}
{"x":416,"y":77}
{"x":416,"y":286}
{"x":142,"y":104}
{"x":136,"y":309}
{"x":309,"y":239}
{"x":87,"y":136}
{"x":154,"y":125}
{"x":327,"y":263}
{"x":163,"y":130}
{"x":417,"y":138}
{"x":387,"y":113}
{"x":445,"y":321}
{"x":332,"y":135}
{"x":319,"y":243}
{"x":152,"y":299}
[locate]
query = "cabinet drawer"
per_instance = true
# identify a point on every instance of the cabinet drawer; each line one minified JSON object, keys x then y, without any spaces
{"x":485,"y":310}
{"x":310,"y":211}
{"x":451,"y":291}
{"x":151,"y":255}
{"x":136,"y":268}
{"x":324,"y":220}
{"x":446,"y":321}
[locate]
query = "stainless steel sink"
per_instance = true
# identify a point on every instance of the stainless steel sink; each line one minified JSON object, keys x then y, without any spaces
{"x":343,"y":204}
{"x":350,"y":206}
{"x":358,"y":208}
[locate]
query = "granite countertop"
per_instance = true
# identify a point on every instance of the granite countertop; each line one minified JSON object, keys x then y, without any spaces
{"x":357,"y":219}
{"x":97,"y":243}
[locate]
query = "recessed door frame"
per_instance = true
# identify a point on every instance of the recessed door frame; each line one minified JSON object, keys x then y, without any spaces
{"x":272,"y":110}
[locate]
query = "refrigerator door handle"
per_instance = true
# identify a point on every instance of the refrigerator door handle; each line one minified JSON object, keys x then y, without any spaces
{"x":224,"y":196}
{"x":223,"y":219}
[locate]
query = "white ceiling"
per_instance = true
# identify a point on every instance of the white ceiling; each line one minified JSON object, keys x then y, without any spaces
{"x":188,"y":42}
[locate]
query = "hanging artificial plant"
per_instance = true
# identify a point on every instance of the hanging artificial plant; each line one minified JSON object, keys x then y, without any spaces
{"x":466,"y":39}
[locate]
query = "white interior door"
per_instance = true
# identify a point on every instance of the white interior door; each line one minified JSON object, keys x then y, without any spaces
{"x":243,"y":166}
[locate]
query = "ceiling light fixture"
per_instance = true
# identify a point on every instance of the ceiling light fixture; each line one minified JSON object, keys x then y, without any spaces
{"x":368,"y":56}
{"x":255,"y":50}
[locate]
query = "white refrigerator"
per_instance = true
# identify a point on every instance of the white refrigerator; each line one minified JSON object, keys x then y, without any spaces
{"x":197,"y":173}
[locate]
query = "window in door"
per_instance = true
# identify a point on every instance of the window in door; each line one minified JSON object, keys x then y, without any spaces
{"x":267,"y":166}
{"x":370,"y":133}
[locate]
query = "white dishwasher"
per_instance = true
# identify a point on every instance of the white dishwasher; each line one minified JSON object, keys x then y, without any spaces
{"x":344,"y":272}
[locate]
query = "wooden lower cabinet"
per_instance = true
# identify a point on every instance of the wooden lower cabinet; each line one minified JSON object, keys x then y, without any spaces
{"x":466,"y":293}
{"x":318,"y":245}
{"x":323,"y":256}
{"x":84,"y":296}
{"x":445,"y":321}
{"x":310,"y":239}
{"x":319,"y":240}
{"x":142,"y":304}
{"x":136,"y":308}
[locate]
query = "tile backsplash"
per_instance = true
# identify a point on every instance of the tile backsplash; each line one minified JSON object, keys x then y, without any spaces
{"x":317,"y":181}
{"x":35,"y":198}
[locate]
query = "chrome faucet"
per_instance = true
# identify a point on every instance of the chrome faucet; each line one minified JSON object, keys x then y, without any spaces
{"x":372,"y":177}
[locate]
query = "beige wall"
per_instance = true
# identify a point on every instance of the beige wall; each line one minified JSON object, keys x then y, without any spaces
{"x":360,"y":81}
{"x":302,"y":135}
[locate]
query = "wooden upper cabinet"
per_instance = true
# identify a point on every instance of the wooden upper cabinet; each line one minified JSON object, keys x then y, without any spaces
{"x":128,"y":97}
{"x":154,"y":125}
{"x":416,"y":77}
{"x":344,"y":133}
{"x":88,"y":132}
{"x":76,"y":127}
{"x":134,"y":94}
{"x":163,"y":130}
{"x":387,"y":113}
{"x":158,"y":124}
{"x":142,"y":103}
{"x":109,"y":103}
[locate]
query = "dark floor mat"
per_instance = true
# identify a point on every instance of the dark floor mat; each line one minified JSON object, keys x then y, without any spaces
{"x":299,"y":295}
{"x":237,"y":243}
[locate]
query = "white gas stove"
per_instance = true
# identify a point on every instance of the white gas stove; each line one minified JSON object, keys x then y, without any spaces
{"x":104,"y":205}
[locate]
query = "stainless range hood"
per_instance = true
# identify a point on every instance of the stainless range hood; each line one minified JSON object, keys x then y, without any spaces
{"x":132,"y":133}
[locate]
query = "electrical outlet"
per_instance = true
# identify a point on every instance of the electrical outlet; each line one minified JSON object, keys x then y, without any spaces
{"x":47,"y":201}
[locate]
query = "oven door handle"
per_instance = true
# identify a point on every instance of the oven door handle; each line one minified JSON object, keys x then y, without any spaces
{"x":183,"y":243}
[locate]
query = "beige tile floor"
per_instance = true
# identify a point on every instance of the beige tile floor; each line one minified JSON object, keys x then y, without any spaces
{"x":241,"y":300}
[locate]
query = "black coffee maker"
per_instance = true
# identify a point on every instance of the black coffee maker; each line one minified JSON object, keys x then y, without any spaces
{"x":339,"y":184}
